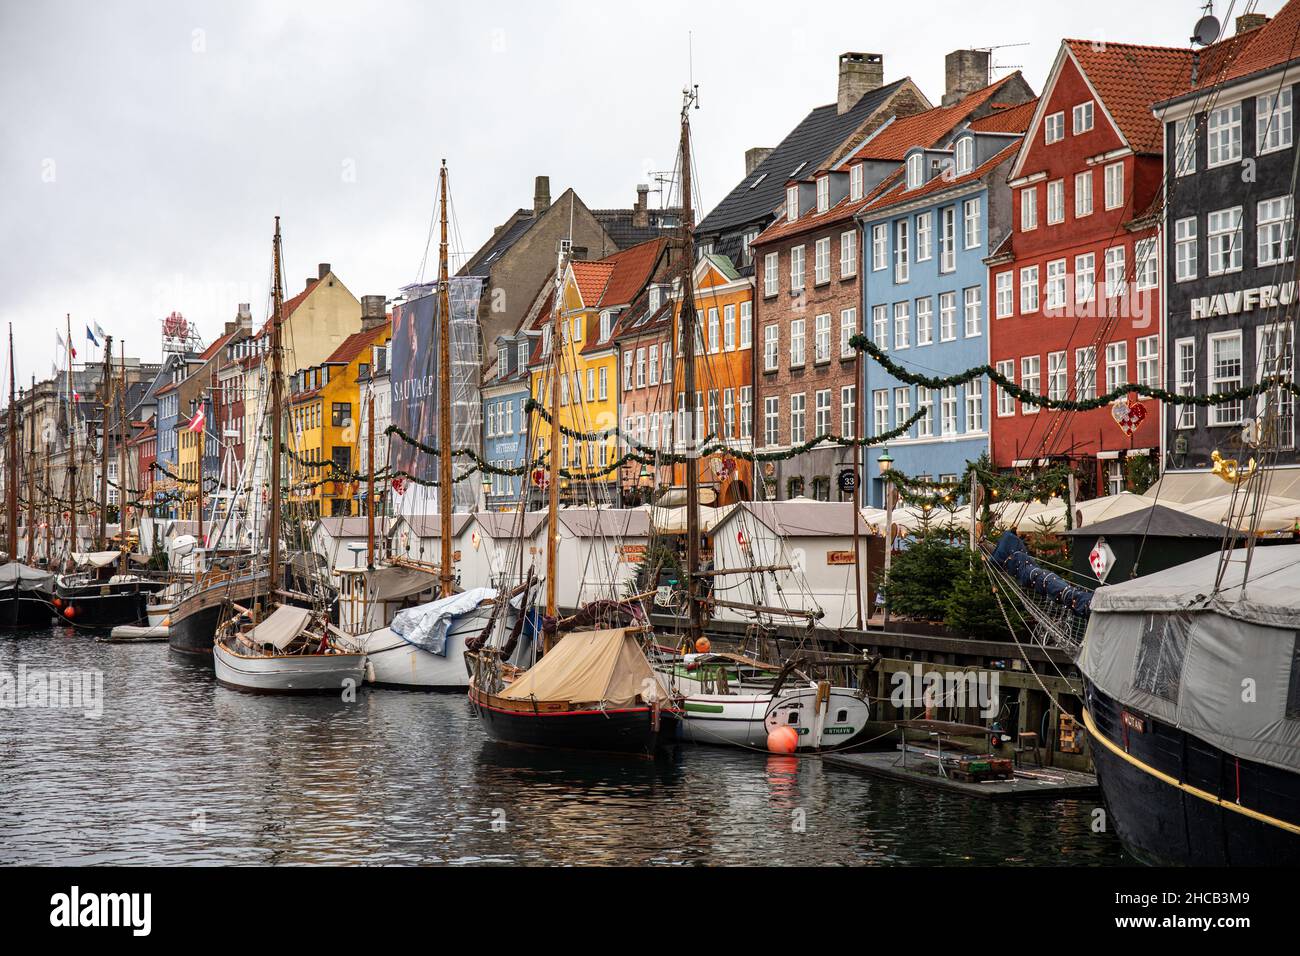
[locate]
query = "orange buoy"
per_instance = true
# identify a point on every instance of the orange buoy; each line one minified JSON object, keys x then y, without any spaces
{"x":702,"y":646}
{"x":58,"y":602}
{"x":69,"y":611}
{"x":783,"y":740}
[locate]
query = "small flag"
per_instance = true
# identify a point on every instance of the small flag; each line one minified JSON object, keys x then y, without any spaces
{"x":196,"y":423}
{"x":98,"y":331}
{"x":91,"y":336}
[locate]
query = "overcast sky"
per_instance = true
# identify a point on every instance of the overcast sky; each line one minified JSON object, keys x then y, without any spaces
{"x":148,"y":146}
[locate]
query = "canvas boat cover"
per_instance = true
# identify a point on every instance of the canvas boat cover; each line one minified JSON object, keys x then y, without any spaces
{"x":395,"y":583}
{"x":590,"y":667}
{"x":1167,"y":645}
{"x":27,"y":579}
{"x":428,"y":625}
{"x":96,"y":559}
{"x":281,"y":627}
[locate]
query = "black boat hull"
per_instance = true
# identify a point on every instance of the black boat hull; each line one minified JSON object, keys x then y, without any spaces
{"x":630,"y":731}
{"x":103,"y":607}
{"x":25,"y":609}
{"x":193,"y":634}
{"x":1174,"y":799}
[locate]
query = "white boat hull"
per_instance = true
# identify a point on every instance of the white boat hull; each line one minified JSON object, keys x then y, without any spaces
{"x":745,"y":720}
{"x":730,"y":720}
{"x":159,"y":613}
{"x":394,"y":662}
{"x":290,"y":673}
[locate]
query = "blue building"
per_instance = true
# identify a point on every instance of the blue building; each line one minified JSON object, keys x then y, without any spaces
{"x":505,"y":422}
{"x":925,"y":237}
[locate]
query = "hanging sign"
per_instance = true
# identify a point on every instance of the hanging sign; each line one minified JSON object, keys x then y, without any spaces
{"x":1101,"y":559}
{"x":848,"y":481}
{"x":1128,"y":415}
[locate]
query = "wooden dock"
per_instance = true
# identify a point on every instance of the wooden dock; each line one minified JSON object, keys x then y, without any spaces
{"x":1029,"y":783}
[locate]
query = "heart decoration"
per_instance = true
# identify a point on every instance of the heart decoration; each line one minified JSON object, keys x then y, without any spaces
{"x":1128,"y":415}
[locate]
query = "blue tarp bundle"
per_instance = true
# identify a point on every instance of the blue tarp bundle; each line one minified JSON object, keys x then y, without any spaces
{"x":1012,"y":556}
{"x":428,"y":625}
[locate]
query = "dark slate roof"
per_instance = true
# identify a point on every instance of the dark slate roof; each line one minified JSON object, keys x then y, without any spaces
{"x":811,"y":143}
{"x":1155,"y":522}
{"x":512,"y":234}
{"x":619,"y":223}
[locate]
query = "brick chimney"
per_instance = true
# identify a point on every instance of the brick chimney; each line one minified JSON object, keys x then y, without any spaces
{"x":244,"y":317}
{"x":322,"y":270}
{"x":860,"y":73}
{"x":541,"y":195}
{"x":641,"y":211}
{"x":373,"y":311}
{"x":1250,"y":21}
{"x":754,"y":157}
{"x":964,"y":72}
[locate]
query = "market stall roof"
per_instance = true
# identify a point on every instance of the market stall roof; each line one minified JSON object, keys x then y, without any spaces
{"x":796,"y":517}
{"x":610,"y":522}
{"x":1154,"y":521}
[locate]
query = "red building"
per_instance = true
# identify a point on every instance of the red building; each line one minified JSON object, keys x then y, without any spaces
{"x":142,"y":452}
{"x":1074,"y":290}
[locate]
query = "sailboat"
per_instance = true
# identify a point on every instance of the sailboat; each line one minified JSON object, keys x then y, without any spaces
{"x":24,"y":590}
{"x":593,"y":688}
{"x":274,"y":646}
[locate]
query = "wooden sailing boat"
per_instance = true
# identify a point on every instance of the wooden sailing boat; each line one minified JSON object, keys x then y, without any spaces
{"x":102,"y":593}
{"x":275,"y":646}
{"x":591,"y":690}
{"x":24,"y":590}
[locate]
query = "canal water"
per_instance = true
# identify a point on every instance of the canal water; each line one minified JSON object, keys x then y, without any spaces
{"x":179,"y":770}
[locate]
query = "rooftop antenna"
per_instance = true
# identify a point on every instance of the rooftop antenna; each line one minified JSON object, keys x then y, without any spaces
{"x":999,"y":66}
{"x":1206,"y":31}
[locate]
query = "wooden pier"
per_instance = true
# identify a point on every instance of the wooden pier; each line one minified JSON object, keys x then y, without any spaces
{"x":1029,"y":783}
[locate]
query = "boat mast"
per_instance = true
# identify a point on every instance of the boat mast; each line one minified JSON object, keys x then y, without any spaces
{"x":11,"y":479}
{"x":444,"y":391}
{"x":72,"y":451}
{"x":370,"y":475}
{"x":686,"y":326}
{"x":101,"y":536}
{"x":552,"y":452}
{"x":122,"y":431}
{"x":276,"y":376}
{"x":31,"y":476}
{"x":198,"y":495}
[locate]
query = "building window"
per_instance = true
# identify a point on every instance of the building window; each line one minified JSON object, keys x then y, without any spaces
{"x":1005,"y":287}
{"x":796,"y":268}
{"x":965,"y":152}
{"x":1146,"y":263}
{"x":902,"y":405}
{"x":1273,"y":121}
{"x":1056,"y":375}
{"x":1085,"y":373}
{"x":1225,"y":376}
{"x":848,"y":254}
{"x":1114,"y":477}
{"x":714,"y":332}
{"x":1275,"y":230}
{"x":880,"y":326}
{"x":746,"y":247}
{"x":915,"y":170}
{"x":974,"y":310}
{"x":1028,"y":208}
{"x":1085,"y":277}
{"x":856,"y":182}
{"x":924,"y":237}
{"x":1082,"y":116}
{"x":975,"y":406}
{"x":1083,"y":194}
{"x":822,"y":261}
{"x":823,"y":194}
{"x":1185,"y":380}
{"x":771,"y":421}
{"x":792,"y":203}
{"x":880,"y":410}
{"x":603,"y":374}
{"x":947,"y":316}
{"x":902,"y":325}
{"x":1054,"y":128}
{"x":848,"y":329}
{"x":1006,"y":401}
{"x":948,"y":240}
{"x":1056,"y":202}
{"x":822,"y":338}
{"x":971,"y":222}
{"x":1223,"y":136}
{"x":796,"y":343}
{"x":823,"y":409}
{"x":771,"y":347}
{"x":1116,"y":366}
{"x":1185,"y":249}
{"x":729,"y":328}
{"x":1148,"y":361}
{"x":1029,"y":289}
{"x":948,"y":410}
{"x":924,"y":321}
{"x":798,"y":414}
{"x":1224,"y":239}
{"x":341,"y":414}
{"x":1055,"y":288}
{"x":1114,"y":185}
{"x":746,"y":324}
{"x":746,"y":409}
{"x":1030,"y":377}
{"x":627,"y":370}
{"x":1115,"y":272}
{"x":901,"y":261}
{"x":1185,"y":146}
{"x":849,"y":411}
{"x":879,"y":246}
{"x":1275,"y":356}
{"x":925,"y":406}
{"x":771,"y":263}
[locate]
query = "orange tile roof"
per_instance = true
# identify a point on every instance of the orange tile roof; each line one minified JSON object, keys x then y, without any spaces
{"x":1012,"y":119}
{"x":939,"y":183}
{"x":357,"y":342}
{"x":289,"y":306}
{"x":1129,"y":77}
{"x":925,"y":129}
{"x":592,"y":277}
{"x":1242,"y":54}
{"x":632,"y":270}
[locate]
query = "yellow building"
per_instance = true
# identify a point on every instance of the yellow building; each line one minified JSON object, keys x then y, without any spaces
{"x":584,"y":362}
{"x":324,"y":409}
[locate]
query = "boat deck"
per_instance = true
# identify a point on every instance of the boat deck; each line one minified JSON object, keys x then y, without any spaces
{"x":1029,"y":783}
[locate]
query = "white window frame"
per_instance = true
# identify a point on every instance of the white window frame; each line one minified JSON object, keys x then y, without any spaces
{"x":973,"y":311}
{"x":1113,"y":176}
{"x":1219,"y":226}
{"x":1081,"y":117}
{"x":1083,"y":194}
{"x":1006,"y":400}
{"x":1054,"y":128}
{"x":972,"y":217}
{"x":1028,"y":290}
{"x":1185,"y":381}
{"x":924,"y":321}
{"x":902,"y":325}
{"x":1220,"y":415}
{"x":1030,"y":380}
{"x":1185,"y":249}
{"x":848,"y":253}
{"x":1223,"y":136}
{"x":1005,"y":288}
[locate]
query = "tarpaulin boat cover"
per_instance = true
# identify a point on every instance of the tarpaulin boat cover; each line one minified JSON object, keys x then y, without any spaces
{"x":27,"y":579}
{"x":1012,"y":556}
{"x":395,"y":583}
{"x":589,"y":667}
{"x":427,"y":626}
{"x":1223,"y":667}
{"x":96,"y":559}
{"x":280,"y":628}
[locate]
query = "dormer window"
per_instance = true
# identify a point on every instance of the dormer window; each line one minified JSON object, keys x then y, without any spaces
{"x":606,"y":324}
{"x":792,"y":203}
{"x":857,"y":178}
{"x":823,"y":194}
{"x":503,"y":362}
{"x":655,"y":293}
{"x":546,"y":340}
{"x":915,"y":170}
{"x":965,"y":155}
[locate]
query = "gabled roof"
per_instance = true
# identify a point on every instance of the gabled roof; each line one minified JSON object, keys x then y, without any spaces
{"x":892,"y":141}
{"x":511,"y":232}
{"x":290,"y":306}
{"x":805,"y":147}
{"x":632,"y":270}
{"x":1273,"y":44}
{"x":591,"y":279}
{"x":1013,"y":119}
{"x":938,"y":184}
{"x":358,"y":342}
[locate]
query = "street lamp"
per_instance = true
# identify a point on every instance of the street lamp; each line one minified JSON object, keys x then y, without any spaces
{"x":487,"y":489}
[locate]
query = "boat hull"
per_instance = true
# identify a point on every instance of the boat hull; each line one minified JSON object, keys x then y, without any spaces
{"x":397,"y":663}
{"x":1174,"y":799}
{"x":633,"y":731}
{"x":105,"y":606}
{"x":193,"y":625}
{"x":24,"y":609}
{"x":288,"y":674}
{"x":729,"y":720}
